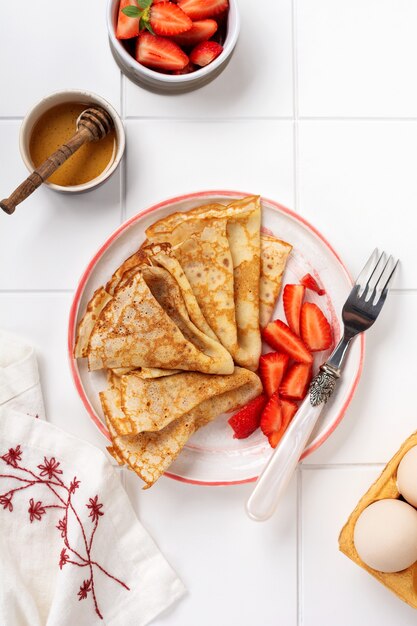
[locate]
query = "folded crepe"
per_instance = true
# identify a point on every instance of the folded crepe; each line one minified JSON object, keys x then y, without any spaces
{"x":218,"y":248}
{"x":274,"y":256}
{"x":151,"y":255}
{"x":162,"y":416}
{"x":146,"y":324}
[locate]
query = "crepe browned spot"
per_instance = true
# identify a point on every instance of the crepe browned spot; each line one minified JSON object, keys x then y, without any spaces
{"x":146,"y":324}
{"x":401,"y":583}
{"x":150,"y":454}
{"x":274,"y":256}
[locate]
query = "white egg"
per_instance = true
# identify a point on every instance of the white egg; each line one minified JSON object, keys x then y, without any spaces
{"x":385,"y":535}
{"x":407,"y":476}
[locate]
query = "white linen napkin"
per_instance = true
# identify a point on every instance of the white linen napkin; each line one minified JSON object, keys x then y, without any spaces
{"x":71,"y":548}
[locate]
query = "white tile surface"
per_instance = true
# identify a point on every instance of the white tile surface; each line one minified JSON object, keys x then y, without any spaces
{"x":334,"y":590}
{"x":50,"y":238}
{"x":256,"y":82}
{"x":253,"y":156}
{"x":237,"y":572}
{"x":357,"y":184}
{"x":382,"y":413}
{"x":354,"y":180}
{"x":356,"y":58}
{"x":46,"y":46}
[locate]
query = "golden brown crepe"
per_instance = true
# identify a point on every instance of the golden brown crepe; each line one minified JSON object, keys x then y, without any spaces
{"x":274,"y":256}
{"x":243,"y":231}
{"x":162,"y":255}
{"x":146,"y":324}
{"x":156,"y":255}
{"x":134,"y":403}
{"x":219,"y":250}
{"x":85,"y":328}
{"x":201,"y":246}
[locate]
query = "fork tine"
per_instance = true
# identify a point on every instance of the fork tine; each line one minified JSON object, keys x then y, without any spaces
{"x":367,"y":271}
{"x":379,"y":270}
{"x":385,"y":280}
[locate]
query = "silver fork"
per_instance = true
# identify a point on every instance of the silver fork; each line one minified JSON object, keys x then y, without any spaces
{"x":360,"y":311}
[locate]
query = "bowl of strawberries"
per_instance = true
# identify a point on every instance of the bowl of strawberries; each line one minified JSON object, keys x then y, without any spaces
{"x":172,"y":45}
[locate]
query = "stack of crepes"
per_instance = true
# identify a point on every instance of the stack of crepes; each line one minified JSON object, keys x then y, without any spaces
{"x":177,"y":327}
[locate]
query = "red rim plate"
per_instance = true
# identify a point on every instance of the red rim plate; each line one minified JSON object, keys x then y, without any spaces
{"x":90,"y":267}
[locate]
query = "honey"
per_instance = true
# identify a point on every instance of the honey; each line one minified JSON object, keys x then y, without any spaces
{"x":54,"y":128}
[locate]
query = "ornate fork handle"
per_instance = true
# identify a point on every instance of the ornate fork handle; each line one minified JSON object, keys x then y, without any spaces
{"x":323,"y":384}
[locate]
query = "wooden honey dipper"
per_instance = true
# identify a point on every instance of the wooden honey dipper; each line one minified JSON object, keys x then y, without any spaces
{"x":92,"y":125}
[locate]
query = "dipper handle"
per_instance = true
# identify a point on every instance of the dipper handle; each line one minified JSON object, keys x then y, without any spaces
{"x":93,"y":124}
{"x":45,"y":170}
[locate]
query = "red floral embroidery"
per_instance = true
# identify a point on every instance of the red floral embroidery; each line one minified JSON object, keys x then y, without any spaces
{"x":62,"y":526}
{"x":49,"y":477}
{"x":12,"y":456}
{"x":35,"y":510}
{"x":63,"y":558}
{"x":84,"y":589}
{"x":6,"y":502}
{"x":50,"y":468}
{"x":95,"y":509}
{"x":74,"y":484}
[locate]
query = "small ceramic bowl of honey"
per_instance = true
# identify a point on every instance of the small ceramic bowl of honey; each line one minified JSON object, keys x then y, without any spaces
{"x":51,"y":122}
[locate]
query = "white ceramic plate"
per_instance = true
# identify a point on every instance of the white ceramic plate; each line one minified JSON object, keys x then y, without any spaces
{"x":212,"y":456}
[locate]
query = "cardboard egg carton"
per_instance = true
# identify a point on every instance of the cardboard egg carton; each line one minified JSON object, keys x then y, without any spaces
{"x":404,"y":583}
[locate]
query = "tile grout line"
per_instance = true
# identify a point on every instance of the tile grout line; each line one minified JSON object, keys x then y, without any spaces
{"x":341,"y":466}
{"x":35,"y":291}
{"x":248,"y":118}
{"x":122,"y":196}
{"x":299,"y":545}
{"x":299,"y":554}
{"x":346,"y":118}
{"x":210,"y":120}
{"x":295,"y":105}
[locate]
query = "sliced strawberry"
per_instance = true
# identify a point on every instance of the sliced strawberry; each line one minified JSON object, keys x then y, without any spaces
{"x":296,"y":381}
{"x":200,"y":9}
{"x":200,"y":31}
{"x":247,"y":420}
{"x":185,"y":70}
{"x":315,"y":329}
{"x":280,"y":337}
{"x":288,"y":410}
{"x":127,"y":27}
{"x":310,"y":283}
{"x":271,"y":368}
{"x":271,"y":419}
{"x":166,"y":19}
{"x":205,"y":52}
{"x":293,"y":299}
{"x":160,"y":53}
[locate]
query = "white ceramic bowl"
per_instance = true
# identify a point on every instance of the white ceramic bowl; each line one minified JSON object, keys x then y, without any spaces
{"x":169,"y":83}
{"x":72,"y":95}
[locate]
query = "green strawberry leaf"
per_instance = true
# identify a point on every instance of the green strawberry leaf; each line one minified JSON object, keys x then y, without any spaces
{"x":132,"y":11}
{"x":149,"y":27}
{"x":144,"y":4}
